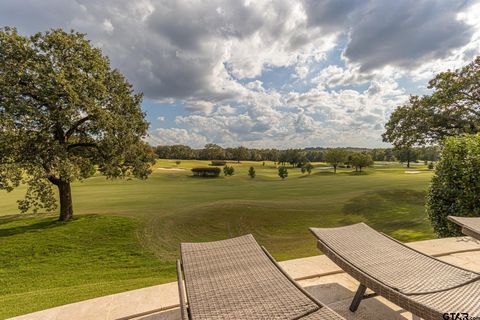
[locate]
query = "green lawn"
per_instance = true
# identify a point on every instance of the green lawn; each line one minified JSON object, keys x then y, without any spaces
{"x":127,"y":233}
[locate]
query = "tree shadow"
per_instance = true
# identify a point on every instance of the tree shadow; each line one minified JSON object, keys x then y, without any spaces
{"x":388,"y":210}
{"x":45,"y":223}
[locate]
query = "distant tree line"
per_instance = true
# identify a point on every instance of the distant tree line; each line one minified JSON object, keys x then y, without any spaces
{"x":295,"y":157}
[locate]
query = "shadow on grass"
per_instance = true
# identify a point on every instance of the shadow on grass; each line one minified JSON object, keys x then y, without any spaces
{"x":46,"y":223}
{"x":397,"y":212}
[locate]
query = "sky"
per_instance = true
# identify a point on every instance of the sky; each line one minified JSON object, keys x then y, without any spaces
{"x":283,"y":74}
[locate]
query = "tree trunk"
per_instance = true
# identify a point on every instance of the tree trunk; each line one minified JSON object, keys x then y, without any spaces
{"x":334,"y":168}
{"x":66,"y":207}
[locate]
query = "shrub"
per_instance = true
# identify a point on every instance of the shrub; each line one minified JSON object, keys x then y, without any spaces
{"x":308,"y":168}
{"x":206,"y":172}
{"x":282,"y":172}
{"x":431,"y":166}
{"x":218,"y":163}
{"x":228,"y":171}
{"x":251,"y":172}
{"x":455,"y":185}
{"x":178,"y":162}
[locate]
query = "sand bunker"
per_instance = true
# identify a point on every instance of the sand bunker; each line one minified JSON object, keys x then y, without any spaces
{"x":171,"y":169}
{"x":413,"y":171}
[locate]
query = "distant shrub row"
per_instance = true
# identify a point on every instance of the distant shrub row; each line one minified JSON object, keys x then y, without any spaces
{"x":218,"y":163}
{"x":206,"y":172}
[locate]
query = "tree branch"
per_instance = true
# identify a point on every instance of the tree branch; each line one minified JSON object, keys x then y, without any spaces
{"x":79,"y":145}
{"x":53,"y":180}
{"x":75,"y":126}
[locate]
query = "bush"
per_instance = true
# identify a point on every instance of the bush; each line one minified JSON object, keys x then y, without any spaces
{"x":283,"y":172}
{"x":218,"y":163}
{"x":178,"y":162}
{"x":228,"y":171}
{"x":206,"y":172}
{"x":307,"y":168}
{"x":431,"y":166}
{"x":251,"y":172}
{"x":455,"y":185}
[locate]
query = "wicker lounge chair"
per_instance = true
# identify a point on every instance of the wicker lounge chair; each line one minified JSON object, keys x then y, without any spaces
{"x":238,"y":279}
{"x":421,"y":284}
{"x":470,"y":225}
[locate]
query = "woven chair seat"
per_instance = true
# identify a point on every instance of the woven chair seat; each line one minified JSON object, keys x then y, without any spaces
{"x":236,"y":279}
{"x":417,"y":282}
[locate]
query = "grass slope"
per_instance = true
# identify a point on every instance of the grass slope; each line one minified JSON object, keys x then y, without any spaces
{"x":45,"y":262}
{"x":129,"y":238}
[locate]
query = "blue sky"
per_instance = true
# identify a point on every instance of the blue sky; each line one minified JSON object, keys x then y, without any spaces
{"x":268,"y":73}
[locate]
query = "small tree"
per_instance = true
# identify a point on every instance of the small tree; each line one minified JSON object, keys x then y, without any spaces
{"x":335,"y":157}
{"x":360,"y":160}
{"x":406,"y":154}
{"x":65,"y":113}
{"x":308,"y":167}
{"x":283,"y":172}
{"x":178,"y":162}
{"x":251,"y":172}
{"x":455,"y":185}
{"x":228,"y":170}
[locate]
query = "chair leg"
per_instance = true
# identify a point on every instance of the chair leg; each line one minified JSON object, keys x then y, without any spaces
{"x":358,"y":297}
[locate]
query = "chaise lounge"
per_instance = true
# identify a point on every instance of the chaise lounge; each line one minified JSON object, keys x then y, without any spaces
{"x":238,"y":279}
{"x":421,"y":284}
{"x":470,"y":225}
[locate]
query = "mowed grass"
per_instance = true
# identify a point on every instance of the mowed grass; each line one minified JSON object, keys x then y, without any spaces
{"x":126,"y":233}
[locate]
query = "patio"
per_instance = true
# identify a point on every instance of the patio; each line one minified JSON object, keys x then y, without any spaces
{"x":317,"y":274}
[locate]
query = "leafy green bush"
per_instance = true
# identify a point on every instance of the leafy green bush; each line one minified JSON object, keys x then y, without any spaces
{"x":455,"y":187}
{"x":307,"y":168}
{"x":206,"y":172}
{"x":218,"y":163}
{"x":228,"y":170}
{"x":283,"y":172}
{"x":431,"y":166}
{"x":251,"y":172}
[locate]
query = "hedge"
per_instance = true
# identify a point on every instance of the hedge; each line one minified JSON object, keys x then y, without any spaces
{"x":219,"y":163}
{"x":206,"y":172}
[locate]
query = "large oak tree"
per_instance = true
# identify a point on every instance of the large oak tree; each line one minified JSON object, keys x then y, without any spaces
{"x":64,"y":114}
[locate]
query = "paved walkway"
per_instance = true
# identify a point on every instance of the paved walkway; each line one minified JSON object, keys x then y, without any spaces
{"x":317,"y":274}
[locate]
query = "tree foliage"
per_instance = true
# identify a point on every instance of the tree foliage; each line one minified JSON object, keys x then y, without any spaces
{"x":455,"y":185}
{"x":212,"y":151}
{"x":228,"y":170}
{"x":64,"y":113}
{"x":406,"y":154}
{"x":282,"y":172}
{"x":336,"y":157}
{"x":251,"y":172}
{"x":361,"y":160}
{"x":452,"y":109}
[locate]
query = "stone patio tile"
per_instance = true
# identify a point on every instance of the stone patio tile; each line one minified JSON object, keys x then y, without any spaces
{"x":445,"y":245}
{"x":309,"y":267}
